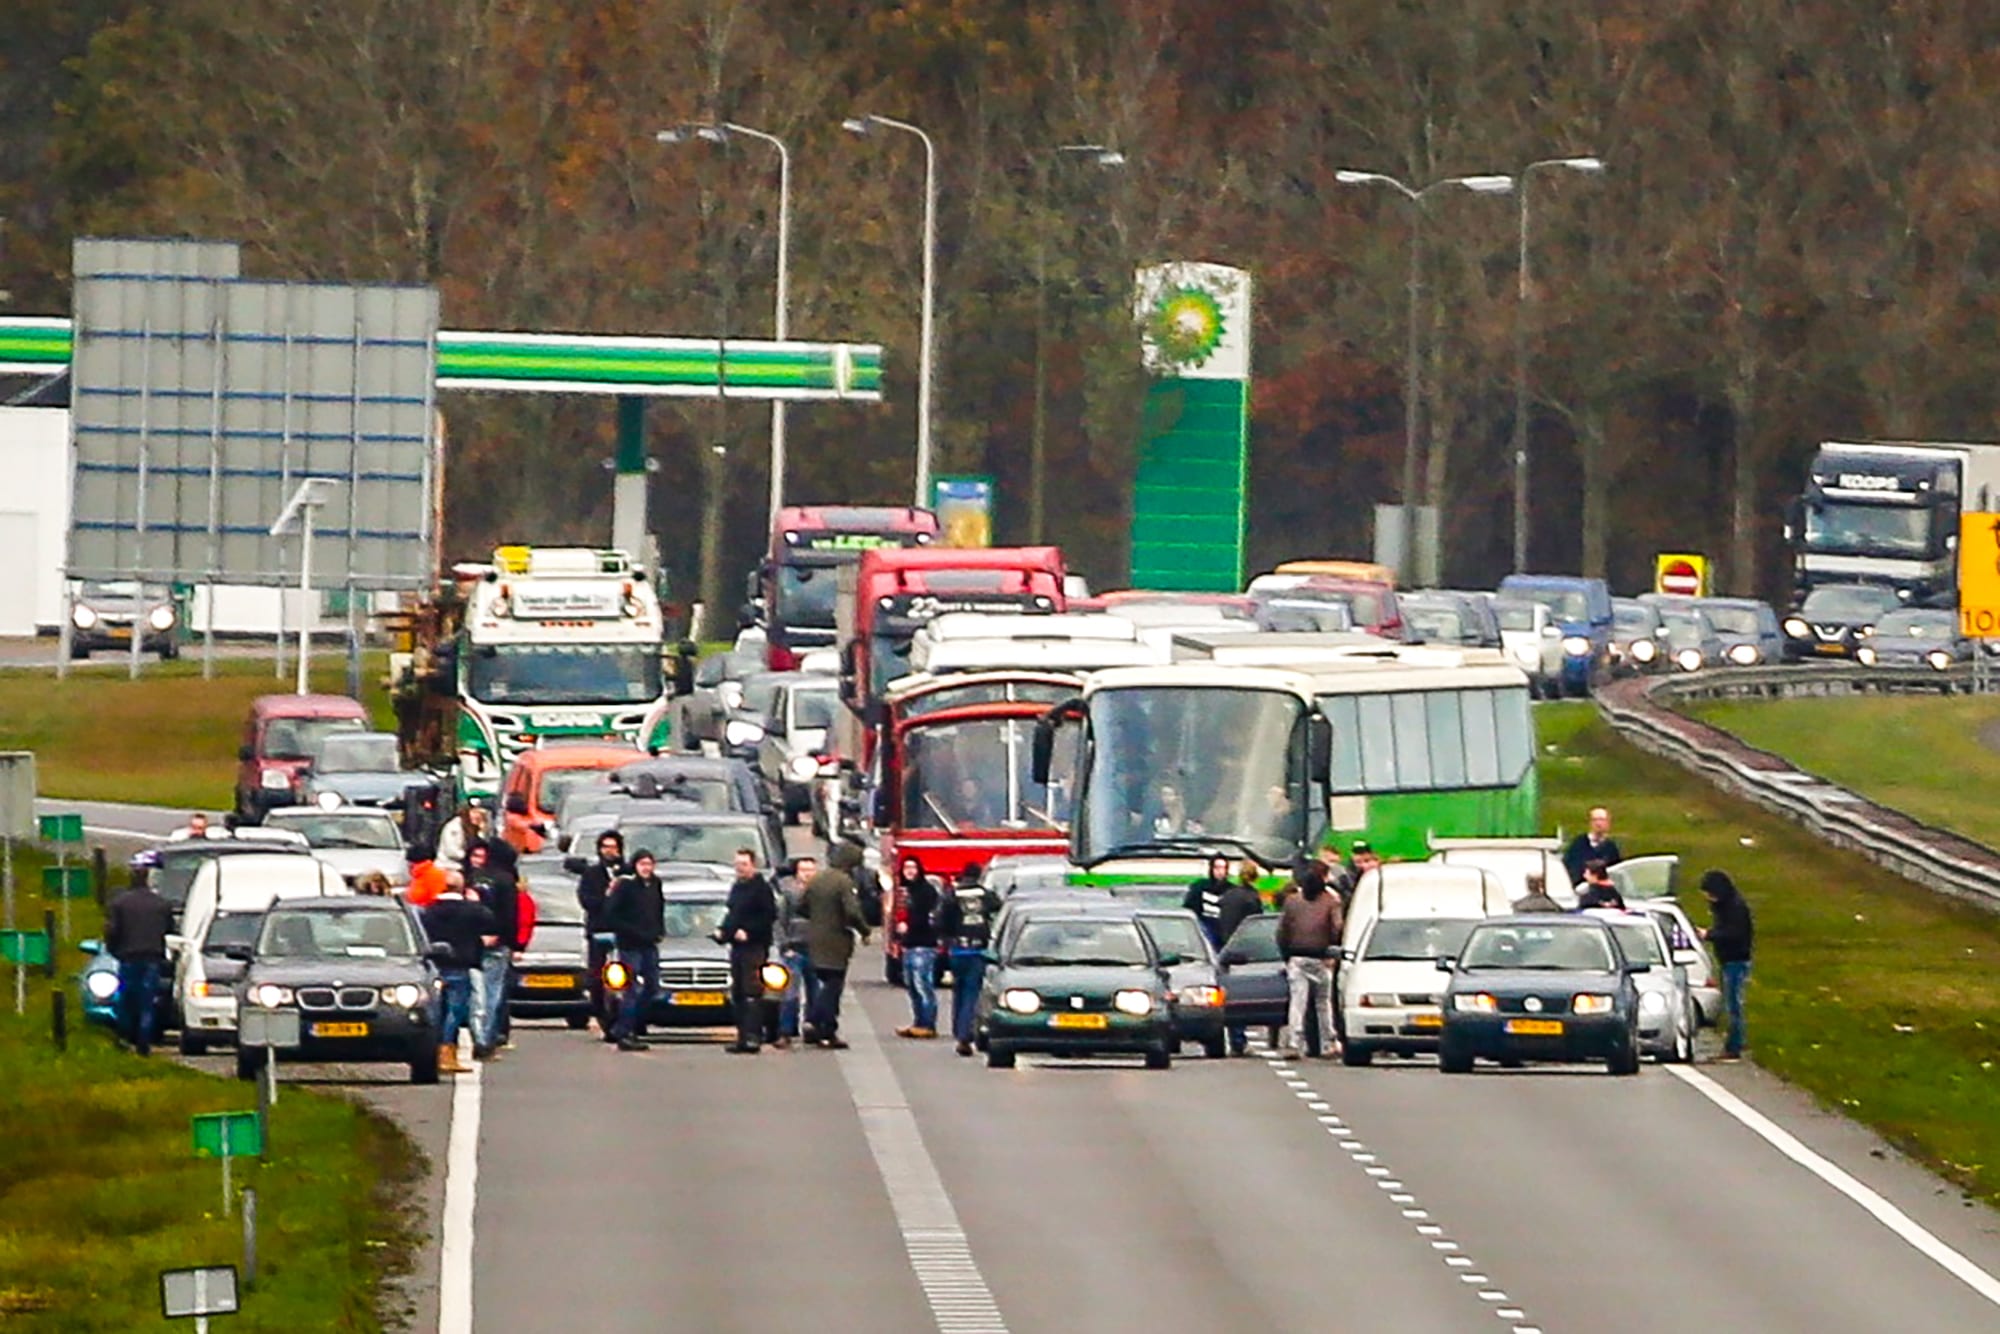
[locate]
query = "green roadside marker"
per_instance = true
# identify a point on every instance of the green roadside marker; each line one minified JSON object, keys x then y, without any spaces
{"x":66,"y":882}
{"x":25,"y":949}
{"x":62,"y":828}
{"x":228,"y":1135}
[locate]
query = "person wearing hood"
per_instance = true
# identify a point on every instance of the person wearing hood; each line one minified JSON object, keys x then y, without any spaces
{"x":464,"y":925}
{"x":593,"y":886}
{"x":1308,"y":934}
{"x":1204,"y":898}
{"x":832,"y":909}
{"x":917,"y":933}
{"x":636,"y":912}
{"x":427,"y":878}
{"x":1240,"y":902}
{"x":499,"y":890}
{"x":1732,"y":932}
{"x":965,"y":928}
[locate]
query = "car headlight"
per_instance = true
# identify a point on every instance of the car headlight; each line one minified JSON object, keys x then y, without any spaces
{"x":101,"y":986}
{"x":1865,"y":656}
{"x":731,"y":694}
{"x":1474,"y":1002}
{"x":741,"y":732}
{"x":1589,"y":1004}
{"x":1651,"y":1002}
{"x":1863,"y":631}
{"x":1688,"y":659}
{"x":1021,"y":1000}
{"x":270,"y":995}
{"x":1796,"y":627}
{"x":405,"y":994}
{"x":776,"y":976}
{"x":1644,"y":650}
{"x":801,"y":768}
{"x":616,"y":975}
{"x":1743,"y":655}
{"x":1203,"y":997}
{"x":1938,"y":658}
{"x":1576,"y":646}
{"x":1132,"y":1001}
{"x":208,"y":989}
{"x":275,"y":780}
{"x":161,"y":618}
{"x":1383,"y":1000}
{"x":82,"y":617}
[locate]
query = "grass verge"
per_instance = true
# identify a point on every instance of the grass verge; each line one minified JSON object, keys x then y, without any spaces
{"x":1919,"y":754}
{"x":99,"y":1190}
{"x":166,"y":739}
{"x":1877,"y":996}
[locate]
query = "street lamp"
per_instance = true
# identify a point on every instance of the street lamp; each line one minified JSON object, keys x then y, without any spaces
{"x":1521,"y":309}
{"x":720,"y":134}
{"x":1106,"y":159}
{"x":1412,"y":372}
{"x":865,"y":125}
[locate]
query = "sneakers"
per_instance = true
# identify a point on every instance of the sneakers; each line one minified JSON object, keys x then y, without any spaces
{"x":740,"y":1049}
{"x":781,"y":1044}
{"x":835,"y":1044}
{"x":965,"y":1049}
{"x":631,"y":1044}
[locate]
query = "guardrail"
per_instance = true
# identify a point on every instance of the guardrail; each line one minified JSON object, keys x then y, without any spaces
{"x":1936,"y":858}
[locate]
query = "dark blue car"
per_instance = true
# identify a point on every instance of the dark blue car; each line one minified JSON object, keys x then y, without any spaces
{"x":1581,"y":609}
{"x":1541,"y":987}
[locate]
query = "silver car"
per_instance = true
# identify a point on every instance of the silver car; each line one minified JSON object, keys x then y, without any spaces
{"x":1692,"y":641}
{"x":1668,"y":1019}
{"x":353,"y":840}
{"x":795,"y":732}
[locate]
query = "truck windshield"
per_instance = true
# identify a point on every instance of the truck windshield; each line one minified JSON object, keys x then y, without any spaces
{"x":1563,"y":604}
{"x":564,"y":673}
{"x":806,"y":596}
{"x":1193,"y":766}
{"x":978,"y":775}
{"x":1896,"y":530}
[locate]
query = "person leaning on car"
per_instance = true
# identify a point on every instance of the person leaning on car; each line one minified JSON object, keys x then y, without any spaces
{"x":747,"y":924}
{"x":135,"y":933}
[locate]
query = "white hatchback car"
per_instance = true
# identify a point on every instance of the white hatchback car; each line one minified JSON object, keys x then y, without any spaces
{"x":225,"y":905}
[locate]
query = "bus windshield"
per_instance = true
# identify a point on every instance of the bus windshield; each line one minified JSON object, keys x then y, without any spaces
{"x":1193,"y":766}
{"x":806,"y":595}
{"x":564,"y":673}
{"x":978,"y":775}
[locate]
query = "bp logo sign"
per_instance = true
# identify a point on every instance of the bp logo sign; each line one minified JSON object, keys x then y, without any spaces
{"x":1194,"y":320}
{"x":1187,"y":326}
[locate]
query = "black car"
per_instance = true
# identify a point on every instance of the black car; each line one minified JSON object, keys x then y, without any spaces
{"x":694,"y":965}
{"x":1078,"y":985}
{"x":1835,"y":620}
{"x":1194,"y":983}
{"x":1545,"y":987}
{"x":1256,"y":993}
{"x":361,"y":975}
{"x":712,"y":784}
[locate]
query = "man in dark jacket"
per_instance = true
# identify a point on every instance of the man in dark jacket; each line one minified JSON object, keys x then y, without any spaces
{"x":1598,"y":891}
{"x":135,"y":933}
{"x":636,"y":913}
{"x":832,"y":911}
{"x":916,"y":932}
{"x":1204,"y":898}
{"x":499,"y":886}
{"x":1537,"y":898}
{"x":965,"y":926}
{"x":1732,"y":932}
{"x":746,"y":928}
{"x":1240,"y":902}
{"x":593,"y":886}
{"x":1308,"y":934}
{"x":465,"y":926}
{"x":1593,"y":845}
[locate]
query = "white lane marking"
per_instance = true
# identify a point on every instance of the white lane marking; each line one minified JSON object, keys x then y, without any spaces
{"x":940,"y":1256}
{"x":461,"y":1180}
{"x":1885,"y":1213}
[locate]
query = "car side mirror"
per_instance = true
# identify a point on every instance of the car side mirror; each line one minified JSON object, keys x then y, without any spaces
{"x":240,"y":953}
{"x":1171,"y":961}
{"x":1230,"y":958}
{"x":1446,"y":964}
{"x":1045,"y":735}
{"x":175,"y":942}
{"x":439,"y":952}
{"x":1319,"y":748}
{"x":517,"y":803}
{"x":91,"y":946}
{"x":1687,"y":956}
{"x":575,"y":865}
{"x":1640,"y":967}
{"x":246,"y":753}
{"x":1346,"y":955}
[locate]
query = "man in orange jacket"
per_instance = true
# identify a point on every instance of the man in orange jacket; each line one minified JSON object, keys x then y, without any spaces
{"x":427,"y":878}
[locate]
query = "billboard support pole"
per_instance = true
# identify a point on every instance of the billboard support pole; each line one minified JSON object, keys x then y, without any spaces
{"x":214,"y":490}
{"x":301,"y":507}
{"x":145,"y":459}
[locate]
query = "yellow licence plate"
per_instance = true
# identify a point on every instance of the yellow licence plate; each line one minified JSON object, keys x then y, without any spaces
{"x":1828,"y":648}
{"x":1537,"y":1028}
{"x":1078,"y":1021}
{"x":699,"y":998}
{"x":340,"y":1030}
{"x":548,"y":981}
{"x":1426,"y":1021}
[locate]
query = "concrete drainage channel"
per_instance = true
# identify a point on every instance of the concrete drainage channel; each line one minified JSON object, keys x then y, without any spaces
{"x":1638,"y":709}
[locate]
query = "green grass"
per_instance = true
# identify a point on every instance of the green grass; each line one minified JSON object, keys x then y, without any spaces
{"x":167,"y":739}
{"x":99,"y":1190}
{"x":1918,"y":754}
{"x":1879,"y":997}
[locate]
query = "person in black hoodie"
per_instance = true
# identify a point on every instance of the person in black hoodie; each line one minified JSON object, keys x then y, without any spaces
{"x":1204,"y":898}
{"x":916,"y":931}
{"x":593,"y":886}
{"x":746,"y":928}
{"x":1240,"y":902}
{"x":636,"y":913}
{"x":1732,"y":932}
{"x":499,"y":886}
{"x":135,"y":933}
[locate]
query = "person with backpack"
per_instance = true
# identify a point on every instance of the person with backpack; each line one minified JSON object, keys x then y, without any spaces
{"x":965,"y":926}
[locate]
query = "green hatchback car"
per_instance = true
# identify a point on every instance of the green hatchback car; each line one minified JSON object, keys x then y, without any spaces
{"x":1077,"y":985}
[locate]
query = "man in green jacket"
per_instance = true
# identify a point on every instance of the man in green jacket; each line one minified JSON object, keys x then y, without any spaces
{"x":832,"y":909}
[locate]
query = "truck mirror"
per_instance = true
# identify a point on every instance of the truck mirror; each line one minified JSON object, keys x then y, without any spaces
{"x":1069,"y":710}
{"x":884,"y":813}
{"x":1319,"y":748}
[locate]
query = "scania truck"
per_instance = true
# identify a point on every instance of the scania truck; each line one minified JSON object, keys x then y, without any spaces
{"x":1887,"y":513}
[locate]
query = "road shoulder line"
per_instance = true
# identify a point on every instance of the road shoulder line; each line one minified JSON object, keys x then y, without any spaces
{"x":460,"y":1193}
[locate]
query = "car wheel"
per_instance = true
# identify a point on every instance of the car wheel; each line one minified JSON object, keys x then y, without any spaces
{"x":1453,"y":1059}
{"x":424,"y":1064}
{"x":1624,"y":1061}
{"x":1355,"y":1054}
{"x":981,"y":1043}
{"x":999,"y":1058}
{"x":1163,"y":1059}
{"x":1215,"y":1048}
{"x":193,"y":1045}
{"x":249,"y":1062}
{"x":577,"y":1022}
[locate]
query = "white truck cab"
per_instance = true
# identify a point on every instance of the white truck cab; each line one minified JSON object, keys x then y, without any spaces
{"x":1404,"y":918}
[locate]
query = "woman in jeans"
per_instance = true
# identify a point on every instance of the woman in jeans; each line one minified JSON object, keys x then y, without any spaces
{"x":916,"y":930}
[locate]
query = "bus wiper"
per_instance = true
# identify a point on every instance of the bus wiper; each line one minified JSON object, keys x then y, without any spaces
{"x":1177,"y":843}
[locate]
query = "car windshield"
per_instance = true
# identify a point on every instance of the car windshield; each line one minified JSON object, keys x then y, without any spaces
{"x":119,"y":590}
{"x":1901,"y":530}
{"x":1630,"y":618}
{"x":1918,"y":624}
{"x":557,"y":784}
{"x":983,"y":692}
{"x":1321,"y":615}
{"x":608,"y":674}
{"x":978,"y":775}
{"x":694,"y":919}
{"x":1548,"y":948}
{"x":1150,"y":896}
{"x":302,"y":738}
{"x":1685,"y":629}
{"x":1639,"y":941}
{"x":555,"y":905}
{"x":340,"y":830}
{"x":1006,"y":880}
{"x":231,"y":928}
{"x":1847,"y":602}
{"x":1176,"y":934}
{"x":806,"y":595}
{"x":1436,"y":625}
{"x":355,"y":933}
{"x":1417,"y":938}
{"x":713,"y":843}
{"x":1256,"y":940}
{"x":1565,"y":604}
{"x":1515,"y":615}
{"x":1732,"y":620}
{"x":759,"y":692}
{"x":368,"y":753}
{"x":1057,"y":943}
{"x":813,"y":708}
{"x":1193,"y":767}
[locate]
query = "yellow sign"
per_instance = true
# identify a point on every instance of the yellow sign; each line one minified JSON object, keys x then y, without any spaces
{"x":1683,"y":575}
{"x":1979,"y":576}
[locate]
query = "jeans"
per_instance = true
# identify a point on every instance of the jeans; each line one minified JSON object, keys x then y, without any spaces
{"x":823,"y":1016}
{"x":798,"y":994}
{"x":746,"y":986}
{"x":968,"y":972}
{"x":1735,"y":977}
{"x":1312,"y":988}
{"x":642,"y":988}
{"x":920,"y":980}
{"x":457,"y":1004}
{"x":497,"y":968}
{"x":139,"y":1001}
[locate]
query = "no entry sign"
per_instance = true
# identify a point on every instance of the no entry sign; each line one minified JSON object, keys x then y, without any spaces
{"x":1680,"y":574}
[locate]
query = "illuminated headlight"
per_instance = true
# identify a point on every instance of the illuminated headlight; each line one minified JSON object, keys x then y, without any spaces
{"x":1688,"y":659}
{"x":1865,"y":656}
{"x":1795,"y":627}
{"x":270,"y":995}
{"x":101,"y":986}
{"x":405,"y":994}
{"x":731,"y":694}
{"x":1644,"y":650}
{"x":328,"y":801}
{"x":1862,"y":632}
{"x":1576,"y":646}
{"x":1937,"y":658}
{"x":161,"y":618}
{"x":775,"y":976}
{"x":1202,"y":997}
{"x":275,"y":780}
{"x":1381,"y":1000}
{"x":1588,"y":1004}
{"x":1477,"y":1002}
{"x":801,"y":768}
{"x":1133,"y":1002}
{"x":82,"y":617}
{"x":742,"y":732}
{"x":1650,"y":1002}
{"x":616,"y":975}
{"x":1021,"y":1000}
{"x":1743,"y":655}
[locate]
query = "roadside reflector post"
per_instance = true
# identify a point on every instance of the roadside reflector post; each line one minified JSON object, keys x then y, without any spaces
{"x":198,"y":1294}
{"x":249,"y":1236}
{"x":59,"y":1018}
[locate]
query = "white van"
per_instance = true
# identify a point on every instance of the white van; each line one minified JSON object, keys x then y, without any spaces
{"x":1513,"y":860}
{"x":1404,"y":918}
{"x":224,"y":905}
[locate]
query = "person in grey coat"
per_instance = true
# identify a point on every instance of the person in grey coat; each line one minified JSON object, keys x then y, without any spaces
{"x":832,"y":909}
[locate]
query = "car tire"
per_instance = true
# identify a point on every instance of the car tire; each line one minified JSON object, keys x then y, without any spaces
{"x":1161,"y":1059}
{"x":1215,"y":1048}
{"x":424,"y":1063}
{"x":1624,"y":1061}
{"x":577,"y":1022}
{"x":999,"y":1058}
{"x":1453,"y":1059}
{"x":981,"y":1043}
{"x":1356,"y":1054}
{"x":192,"y":1044}
{"x":249,"y":1062}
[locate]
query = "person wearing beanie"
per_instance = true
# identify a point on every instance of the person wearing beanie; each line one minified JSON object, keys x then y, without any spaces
{"x":1732,"y":932}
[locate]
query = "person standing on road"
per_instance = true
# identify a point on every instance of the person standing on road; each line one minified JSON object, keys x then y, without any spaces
{"x":917,"y":933}
{"x":790,"y":940}
{"x":593,"y":886}
{"x":1732,"y":932}
{"x":636,"y":912}
{"x":746,"y":928}
{"x":1537,"y":898}
{"x":471,"y":825}
{"x":1241,"y":902}
{"x":1308,"y":934}
{"x":1593,"y":845}
{"x":1598,"y":890}
{"x":965,"y":925}
{"x":501,"y":893}
{"x":1204,"y":898}
{"x":832,"y":909}
{"x":466,"y":928}
{"x":135,"y":933}
{"x":427,"y":878}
